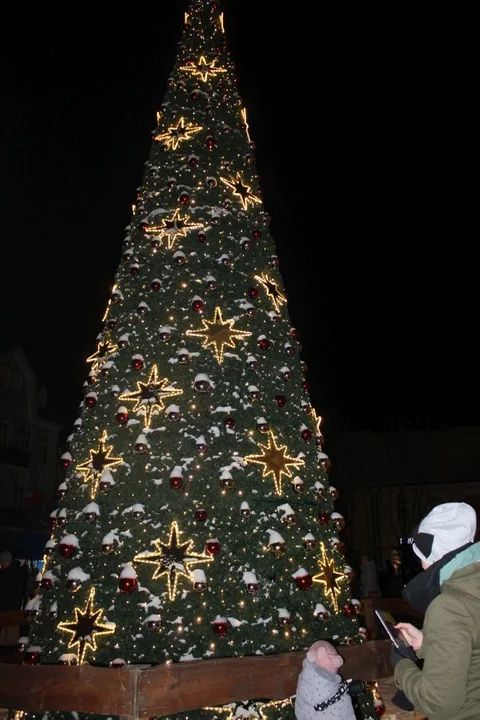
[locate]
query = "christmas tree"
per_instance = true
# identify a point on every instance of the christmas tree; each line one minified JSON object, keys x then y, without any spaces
{"x":196,"y":519}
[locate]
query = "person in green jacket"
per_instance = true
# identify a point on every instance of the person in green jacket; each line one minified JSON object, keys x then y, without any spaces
{"x":447,"y":687}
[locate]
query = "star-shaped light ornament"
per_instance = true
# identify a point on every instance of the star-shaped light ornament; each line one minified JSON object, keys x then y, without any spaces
{"x":173,"y":227}
{"x":100,"y":459}
{"x":150,"y":395}
{"x":104,"y":350}
{"x":275,"y":461}
{"x":317,"y":419}
{"x":328,"y":577}
{"x":273,"y":291}
{"x":249,"y":709}
{"x":86,"y":627}
{"x":203,"y":68}
{"x":241,"y":190}
{"x":176,"y":134}
{"x":219,"y":333}
{"x":173,"y":559}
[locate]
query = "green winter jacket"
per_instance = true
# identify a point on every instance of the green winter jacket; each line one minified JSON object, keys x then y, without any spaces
{"x":448,"y":686}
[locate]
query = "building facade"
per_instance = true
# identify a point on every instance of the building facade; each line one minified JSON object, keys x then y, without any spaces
{"x":29,"y":453}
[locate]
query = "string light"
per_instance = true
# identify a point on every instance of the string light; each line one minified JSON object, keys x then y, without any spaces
{"x":328,"y":577}
{"x":273,"y":291}
{"x":176,"y":134}
{"x":241,"y":190}
{"x":219,"y":333}
{"x":150,"y":395}
{"x":203,"y":68}
{"x":99,"y":460}
{"x":85,"y":628}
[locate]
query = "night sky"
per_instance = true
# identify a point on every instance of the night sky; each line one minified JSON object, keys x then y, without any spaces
{"x":358,"y":153}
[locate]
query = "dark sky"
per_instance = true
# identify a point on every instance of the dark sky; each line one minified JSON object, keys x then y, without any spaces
{"x":361,"y":161}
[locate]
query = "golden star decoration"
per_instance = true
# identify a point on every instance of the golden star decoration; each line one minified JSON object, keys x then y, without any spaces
{"x":150,"y":395}
{"x":275,"y":461}
{"x":86,"y":628}
{"x":173,"y":559}
{"x":255,"y":709}
{"x":218,"y":332}
{"x":100,"y":459}
{"x":178,"y":133}
{"x":317,"y":419}
{"x":241,"y":190}
{"x":328,"y":577}
{"x":173,"y":227}
{"x":104,"y":350}
{"x":203,"y":69}
{"x":273,"y":291}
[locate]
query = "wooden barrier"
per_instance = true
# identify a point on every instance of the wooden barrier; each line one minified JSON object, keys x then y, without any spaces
{"x":147,"y":692}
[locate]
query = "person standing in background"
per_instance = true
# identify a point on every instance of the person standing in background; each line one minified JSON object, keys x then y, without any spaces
{"x":369,"y":586}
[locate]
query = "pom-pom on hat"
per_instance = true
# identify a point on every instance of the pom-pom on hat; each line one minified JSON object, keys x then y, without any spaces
{"x":447,"y":527}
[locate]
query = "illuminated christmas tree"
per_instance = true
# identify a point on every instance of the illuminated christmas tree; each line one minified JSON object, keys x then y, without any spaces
{"x":196,"y":519}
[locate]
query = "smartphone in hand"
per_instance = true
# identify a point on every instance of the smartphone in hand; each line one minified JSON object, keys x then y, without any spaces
{"x":388,"y":623}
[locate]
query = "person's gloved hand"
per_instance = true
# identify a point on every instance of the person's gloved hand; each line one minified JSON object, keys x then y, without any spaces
{"x":402,"y":702}
{"x":397,"y":654}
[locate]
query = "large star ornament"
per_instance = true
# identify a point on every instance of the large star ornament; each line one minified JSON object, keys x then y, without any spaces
{"x":86,"y":628}
{"x":275,"y":461}
{"x":241,"y":190}
{"x":172,"y":559}
{"x":176,"y":134}
{"x":100,"y":459}
{"x":328,"y":577}
{"x":150,"y":395}
{"x":172,"y":228}
{"x":219,"y":333}
{"x":273,"y":291}
{"x":203,"y":69}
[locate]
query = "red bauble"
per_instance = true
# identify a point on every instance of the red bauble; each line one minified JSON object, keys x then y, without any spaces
{"x":184,"y":198}
{"x":306,"y":386}
{"x":229,"y":422}
{"x":201,"y":237}
{"x":176,"y":482}
{"x":31,"y":657}
{"x":65,"y":550}
{"x":304,"y":582}
{"x":144,"y":227}
{"x":193,"y":160}
{"x":134,"y":269}
{"x":247,"y":244}
{"x":194,"y":95}
{"x":66,"y":462}
{"x":280,"y":400}
{"x":198,"y":306}
{"x":220,"y":627}
{"x":350,"y":610}
{"x":212,"y":547}
{"x":379,"y":710}
{"x":210,"y":142}
{"x":91,"y":401}
{"x":46,"y":583}
{"x":156,"y":285}
{"x":128,"y":585}
{"x":200,"y":515}
{"x":306,"y":434}
{"x":253,"y":292}
{"x":121,"y":418}
{"x":264,"y":343}
{"x":137,"y":363}
{"x":256,"y":233}
{"x":293,"y":332}
{"x":324,"y":518}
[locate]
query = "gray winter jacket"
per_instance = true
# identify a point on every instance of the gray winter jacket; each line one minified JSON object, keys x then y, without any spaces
{"x":316,"y":685}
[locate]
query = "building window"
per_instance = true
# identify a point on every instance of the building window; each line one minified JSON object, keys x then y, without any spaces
{"x":44,"y":449}
{"x":4,"y":433}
